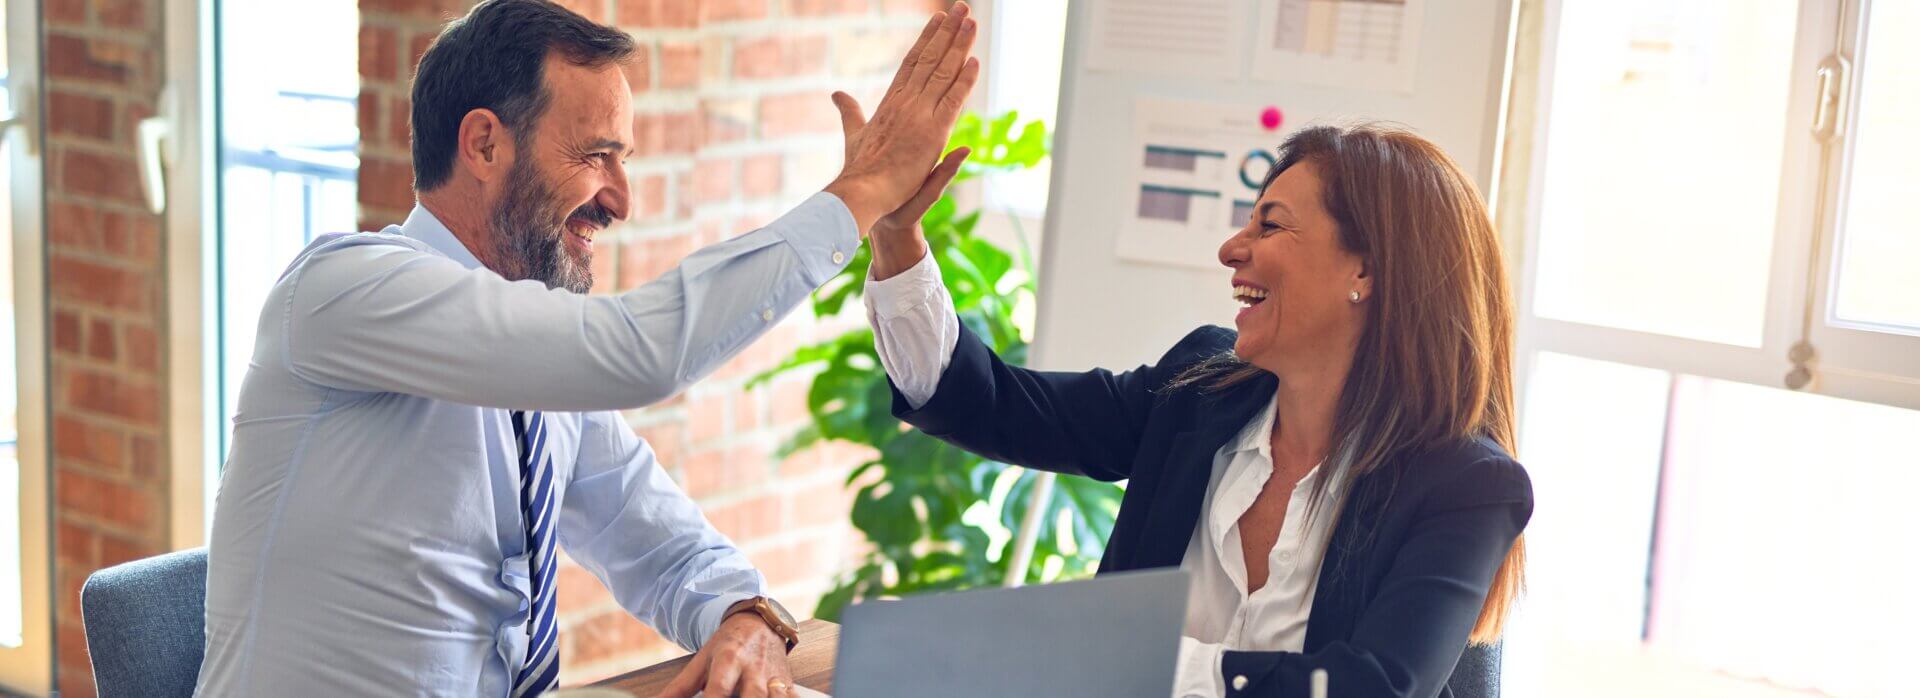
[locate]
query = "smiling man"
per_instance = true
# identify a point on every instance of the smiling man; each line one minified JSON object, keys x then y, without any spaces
{"x":430,"y":412}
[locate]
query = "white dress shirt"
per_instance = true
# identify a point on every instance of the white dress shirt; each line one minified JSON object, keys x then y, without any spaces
{"x":368,"y":536}
{"x":915,"y":330}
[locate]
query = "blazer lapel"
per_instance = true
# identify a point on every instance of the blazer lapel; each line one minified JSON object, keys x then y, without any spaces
{"x":1188,"y":468}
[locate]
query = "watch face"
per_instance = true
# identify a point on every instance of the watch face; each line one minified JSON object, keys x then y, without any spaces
{"x":781,"y":611}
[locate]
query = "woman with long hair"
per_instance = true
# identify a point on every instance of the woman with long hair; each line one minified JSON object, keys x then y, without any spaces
{"x":1336,"y":474}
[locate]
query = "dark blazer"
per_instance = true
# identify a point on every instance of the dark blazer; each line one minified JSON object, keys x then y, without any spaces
{"x":1409,"y":562}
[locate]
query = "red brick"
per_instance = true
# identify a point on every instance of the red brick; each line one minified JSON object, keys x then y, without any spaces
{"x":75,"y":439}
{"x":107,"y":177}
{"x":100,"y":341}
{"x":75,"y":227}
{"x":789,"y":403}
{"x":76,"y":544}
{"x":647,"y":259}
{"x":607,"y":636}
{"x":797,"y":114}
{"x":715,"y":471}
{"x":85,"y":116}
{"x":747,"y":520}
{"x":731,"y":10}
{"x":379,"y":53}
{"x":667,"y":441}
{"x":672,"y":133}
{"x":89,"y":60}
{"x":726,"y":120}
{"x":823,"y":8}
{"x":746,"y":411}
{"x":606,"y":255}
{"x":760,"y":175}
{"x":400,"y":123}
{"x":417,"y":47}
{"x":779,"y":56}
{"x":870,"y":53}
{"x":386,"y":184}
{"x":115,"y":550}
{"x":437,"y":10}
{"x":707,"y":416}
{"x":146,"y":460}
{"x":800,"y":561}
{"x":368,"y":119}
{"x":712,"y":181}
{"x":144,"y":234}
{"x":100,"y":285}
{"x":66,"y":332}
{"x":595,"y":10}
{"x":125,"y":14}
{"x":110,"y":395}
{"x":142,"y":347}
{"x":923,"y":8}
{"x":657,"y":14}
{"x":130,"y":509}
{"x":679,"y":65}
{"x":827,"y":503}
{"x":639,"y":70}
{"x":649,"y":197}
{"x":65,"y":12}
{"x":71,"y":637}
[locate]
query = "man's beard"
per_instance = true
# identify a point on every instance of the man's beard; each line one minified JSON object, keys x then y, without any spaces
{"x":531,"y":233}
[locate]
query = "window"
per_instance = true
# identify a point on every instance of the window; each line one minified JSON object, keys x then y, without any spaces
{"x":287,"y":134}
{"x":1028,"y":39}
{"x":1713,"y":220}
{"x":26,"y":630}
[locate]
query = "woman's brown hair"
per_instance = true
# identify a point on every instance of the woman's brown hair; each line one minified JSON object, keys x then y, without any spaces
{"x":1435,"y":361}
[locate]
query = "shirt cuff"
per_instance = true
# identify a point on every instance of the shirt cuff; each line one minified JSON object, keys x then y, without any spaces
{"x":715,"y":611}
{"x":822,"y":231}
{"x":901,"y":293}
{"x":1197,"y":674}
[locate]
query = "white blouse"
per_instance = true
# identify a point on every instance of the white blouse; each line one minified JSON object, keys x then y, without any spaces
{"x":915,"y":330}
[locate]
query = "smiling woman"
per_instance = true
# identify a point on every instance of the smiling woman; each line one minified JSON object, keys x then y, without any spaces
{"x":1342,"y":462}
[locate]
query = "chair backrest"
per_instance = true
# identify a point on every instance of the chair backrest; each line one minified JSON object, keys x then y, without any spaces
{"x":146,"y":625}
{"x":1478,"y":673}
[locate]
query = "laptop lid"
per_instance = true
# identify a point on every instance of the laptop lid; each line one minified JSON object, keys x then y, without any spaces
{"x":1112,"y":636}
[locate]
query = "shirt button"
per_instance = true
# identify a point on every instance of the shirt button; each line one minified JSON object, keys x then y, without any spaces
{"x":767,"y":314}
{"x":839,"y":257}
{"x":1240,"y":682}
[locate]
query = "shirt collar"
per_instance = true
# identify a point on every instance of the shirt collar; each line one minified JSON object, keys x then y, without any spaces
{"x":1258,"y":433}
{"x":423,"y":226}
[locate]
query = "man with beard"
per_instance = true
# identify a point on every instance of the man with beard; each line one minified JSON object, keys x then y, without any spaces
{"x":432,"y":411}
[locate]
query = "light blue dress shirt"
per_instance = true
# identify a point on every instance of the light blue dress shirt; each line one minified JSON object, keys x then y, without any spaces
{"x":367,"y":537}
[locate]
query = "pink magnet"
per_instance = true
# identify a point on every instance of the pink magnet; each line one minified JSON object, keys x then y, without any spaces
{"x":1271,"y":118}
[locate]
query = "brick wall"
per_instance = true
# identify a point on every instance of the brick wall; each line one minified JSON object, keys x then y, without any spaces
{"x":110,"y":484}
{"x":732,"y":126}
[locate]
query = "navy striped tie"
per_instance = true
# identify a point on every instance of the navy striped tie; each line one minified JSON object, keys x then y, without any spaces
{"x":542,"y":669}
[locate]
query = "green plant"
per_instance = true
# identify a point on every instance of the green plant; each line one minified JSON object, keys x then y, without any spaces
{"x":940,"y":518}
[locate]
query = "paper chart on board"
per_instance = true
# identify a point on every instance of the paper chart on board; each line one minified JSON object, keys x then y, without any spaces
{"x":1198,"y":169}
{"x":1365,"y":44}
{"x":1181,"y":38}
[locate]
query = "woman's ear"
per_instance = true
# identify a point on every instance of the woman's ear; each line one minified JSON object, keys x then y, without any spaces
{"x":1363,"y":280}
{"x":484,"y":145}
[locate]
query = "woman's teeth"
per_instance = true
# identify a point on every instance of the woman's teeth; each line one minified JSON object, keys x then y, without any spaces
{"x":1249,"y":295}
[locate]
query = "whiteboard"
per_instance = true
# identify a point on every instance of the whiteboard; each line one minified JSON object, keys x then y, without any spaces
{"x":1098,"y":309}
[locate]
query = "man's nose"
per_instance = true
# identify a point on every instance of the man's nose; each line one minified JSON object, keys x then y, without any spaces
{"x":617,"y":198}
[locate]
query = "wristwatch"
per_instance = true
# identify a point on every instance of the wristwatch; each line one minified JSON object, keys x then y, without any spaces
{"x":774,"y":614}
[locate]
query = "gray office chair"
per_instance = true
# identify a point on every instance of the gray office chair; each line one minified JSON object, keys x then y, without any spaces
{"x":1478,"y":673}
{"x":146,"y":624}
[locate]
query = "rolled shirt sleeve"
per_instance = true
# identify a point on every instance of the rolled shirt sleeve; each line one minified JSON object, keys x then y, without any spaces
{"x":915,"y":328}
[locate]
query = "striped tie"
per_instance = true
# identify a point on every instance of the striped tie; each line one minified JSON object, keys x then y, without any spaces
{"x":542,"y":669}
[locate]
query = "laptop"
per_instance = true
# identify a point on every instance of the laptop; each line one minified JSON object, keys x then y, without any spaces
{"x":1112,"y":636}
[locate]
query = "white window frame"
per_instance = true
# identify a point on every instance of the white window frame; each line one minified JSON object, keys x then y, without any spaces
{"x":1853,"y":360}
{"x":29,"y":667}
{"x":1852,"y":363}
{"x":193,"y":421}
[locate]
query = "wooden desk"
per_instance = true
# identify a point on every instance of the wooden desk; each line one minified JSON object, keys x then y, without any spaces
{"x":811,"y":662}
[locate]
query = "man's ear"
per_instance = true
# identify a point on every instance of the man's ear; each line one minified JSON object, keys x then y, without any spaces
{"x":484,"y":146}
